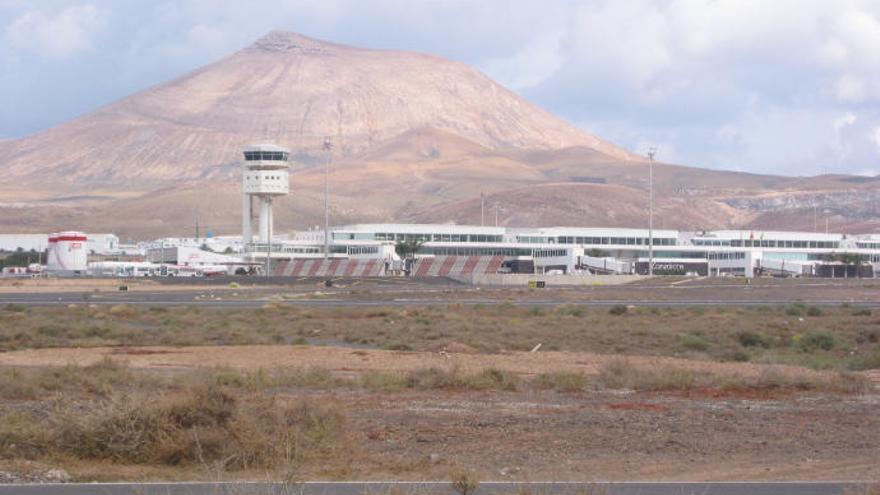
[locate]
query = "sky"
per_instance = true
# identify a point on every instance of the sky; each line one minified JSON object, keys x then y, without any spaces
{"x":782,"y":87}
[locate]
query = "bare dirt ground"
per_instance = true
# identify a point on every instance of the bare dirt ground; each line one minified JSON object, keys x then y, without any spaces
{"x":591,"y":431}
{"x":532,"y":434}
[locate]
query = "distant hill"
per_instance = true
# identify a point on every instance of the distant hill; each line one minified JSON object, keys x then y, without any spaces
{"x":416,"y":138}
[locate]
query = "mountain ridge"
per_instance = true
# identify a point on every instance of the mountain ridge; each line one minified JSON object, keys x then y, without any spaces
{"x":416,"y":138}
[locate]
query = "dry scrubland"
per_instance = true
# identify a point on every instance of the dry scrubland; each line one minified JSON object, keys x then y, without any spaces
{"x":622,"y":393}
{"x":845,"y":338}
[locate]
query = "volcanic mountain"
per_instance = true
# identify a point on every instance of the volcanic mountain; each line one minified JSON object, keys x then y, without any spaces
{"x":415,"y":138}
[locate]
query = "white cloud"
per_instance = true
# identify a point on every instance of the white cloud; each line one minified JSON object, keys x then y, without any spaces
{"x":875,"y":136}
{"x":60,"y":35}
{"x":850,"y":88}
{"x":532,"y":65}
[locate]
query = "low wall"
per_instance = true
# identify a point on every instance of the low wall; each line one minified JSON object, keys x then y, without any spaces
{"x":522,"y":279}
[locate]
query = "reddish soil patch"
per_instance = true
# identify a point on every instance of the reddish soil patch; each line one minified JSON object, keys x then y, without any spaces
{"x":636,"y":406}
{"x":140,"y":351}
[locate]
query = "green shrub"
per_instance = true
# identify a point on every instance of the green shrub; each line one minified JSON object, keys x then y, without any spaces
{"x":814,"y":311}
{"x":571,"y":311}
{"x":796,"y":309}
{"x":862,"y":312}
{"x":740,"y":357}
{"x":618,"y":309}
{"x":753,"y":339}
{"x":693,"y":342}
{"x":817,"y":339}
{"x":869,"y":361}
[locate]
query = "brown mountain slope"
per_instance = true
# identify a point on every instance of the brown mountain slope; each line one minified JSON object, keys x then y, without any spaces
{"x":416,"y":138}
{"x":289,"y":89}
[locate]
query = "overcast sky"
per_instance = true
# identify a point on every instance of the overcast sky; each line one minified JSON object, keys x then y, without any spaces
{"x":769,"y":86}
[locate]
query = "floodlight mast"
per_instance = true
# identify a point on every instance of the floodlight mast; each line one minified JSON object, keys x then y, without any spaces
{"x":328,"y":147}
{"x":652,"y":151}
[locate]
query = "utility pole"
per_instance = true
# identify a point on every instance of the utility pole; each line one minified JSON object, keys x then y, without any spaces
{"x":268,"y":268}
{"x":651,"y":153}
{"x":482,"y":209}
{"x":328,"y":147}
{"x":496,"y":214}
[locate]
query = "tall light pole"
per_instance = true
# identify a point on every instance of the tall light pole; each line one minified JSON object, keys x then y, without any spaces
{"x":328,"y":147}
{"x":651,"y":152}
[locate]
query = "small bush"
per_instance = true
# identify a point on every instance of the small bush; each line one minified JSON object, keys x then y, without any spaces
{"x":618,"y":309}
{"x":862,"y":312}
{"x":867,"y":362}
{"x":15,"y":308}
{"x":815,"y":340}
{"x":620,"y":374}
{"x":491,"y":379}
{"x":121,"y":310}
{"x":796,"y":309}
{"x":692,"y":342}
{"x":562,"y":381}
{"x":434,"y":378}
{"x":464,"y":483}
{"x":397,"y":347}
{"x":740,"y":357}
{"x":203,"y":424}
{"x":814,"y":311}
{"x":571,"y":311}
{"x":383,"y":381}
{"x":752,"y":339}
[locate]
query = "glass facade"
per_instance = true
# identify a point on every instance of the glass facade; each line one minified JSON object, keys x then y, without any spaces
{"x":768,"y":243}
{"x":429,"y":237}
{"x":252,"y":156}
{"x":619,"y":241}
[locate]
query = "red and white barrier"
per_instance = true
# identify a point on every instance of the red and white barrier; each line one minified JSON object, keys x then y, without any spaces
{"x":455,"y":266}
{"x":329,"y":268}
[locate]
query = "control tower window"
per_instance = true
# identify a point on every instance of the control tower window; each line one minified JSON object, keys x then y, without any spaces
{"x":272,"y":155}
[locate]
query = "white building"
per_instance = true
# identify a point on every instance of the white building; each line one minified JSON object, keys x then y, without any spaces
{"x":591,"y":250}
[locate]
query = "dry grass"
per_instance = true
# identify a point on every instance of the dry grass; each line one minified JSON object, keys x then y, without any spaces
{"x":621,"y":374}
{"x":836,"y":338}
{"x":205,"y":425}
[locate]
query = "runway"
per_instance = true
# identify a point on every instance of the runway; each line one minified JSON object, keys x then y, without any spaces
{"x":221,"y":299}
{"x":381,"y":488}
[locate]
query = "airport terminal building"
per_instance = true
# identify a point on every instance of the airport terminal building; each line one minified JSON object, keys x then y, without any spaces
{"x":452,"y":250}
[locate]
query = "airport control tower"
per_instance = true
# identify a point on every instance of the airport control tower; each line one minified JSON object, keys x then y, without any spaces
{"x":265,"y":176}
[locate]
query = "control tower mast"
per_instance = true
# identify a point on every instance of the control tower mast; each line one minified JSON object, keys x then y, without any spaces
{"x":265,"y":176}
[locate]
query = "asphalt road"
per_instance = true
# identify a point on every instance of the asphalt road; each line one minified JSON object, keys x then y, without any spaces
{"x":380,"y":488}
{"x":223,"y":299}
